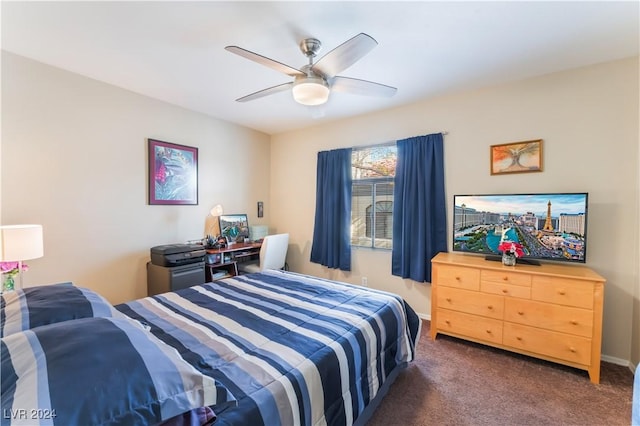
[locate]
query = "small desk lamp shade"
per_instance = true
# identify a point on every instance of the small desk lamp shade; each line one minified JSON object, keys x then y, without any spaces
{"x":20,"y":242}
{"x":215,"y":212}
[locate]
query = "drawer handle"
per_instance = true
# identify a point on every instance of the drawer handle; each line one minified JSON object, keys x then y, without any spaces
{"x":572,"y":349}
{"x":574,"y":322}
{"x":488,"y":331}
{"x":519,"y":338}
{"x":505,"y":291}
{"x":448,"y":299}
{"x":505,"y":279}
{"x":562,"y":292}
{"x":457,"y":278}
{"x":490,"y":307}
{"x":520,"y":313}
{"x":447,"y":322}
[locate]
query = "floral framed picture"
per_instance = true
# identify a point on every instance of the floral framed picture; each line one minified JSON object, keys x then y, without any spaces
{"x":516,"y":157}
{"x":173,"y":173}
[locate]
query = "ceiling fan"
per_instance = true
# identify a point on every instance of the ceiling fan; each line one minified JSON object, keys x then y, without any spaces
{"x":313,"y":82}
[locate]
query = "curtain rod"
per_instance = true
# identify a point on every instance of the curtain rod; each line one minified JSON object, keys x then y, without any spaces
{"x":387,"y":143}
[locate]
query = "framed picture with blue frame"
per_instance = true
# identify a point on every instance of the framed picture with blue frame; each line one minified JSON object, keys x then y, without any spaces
{"x":173,"y":173}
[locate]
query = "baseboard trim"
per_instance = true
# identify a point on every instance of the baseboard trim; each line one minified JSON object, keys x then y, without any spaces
{"x":615,"y":360}
{"x":426,"y":317}
{"x":619,"y":361}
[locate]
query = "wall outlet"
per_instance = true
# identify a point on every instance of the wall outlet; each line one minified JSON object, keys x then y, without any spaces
{"x":365,"y":282}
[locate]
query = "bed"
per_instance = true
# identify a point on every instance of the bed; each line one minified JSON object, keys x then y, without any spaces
{"x":272,"y":348}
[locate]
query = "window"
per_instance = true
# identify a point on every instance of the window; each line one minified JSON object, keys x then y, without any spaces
{"x":373,"y":170}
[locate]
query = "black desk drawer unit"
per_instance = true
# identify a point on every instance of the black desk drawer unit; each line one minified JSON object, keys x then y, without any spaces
{"x":161,"y":279}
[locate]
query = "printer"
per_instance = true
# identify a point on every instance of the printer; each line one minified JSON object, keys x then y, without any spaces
{"x":177,"y":254}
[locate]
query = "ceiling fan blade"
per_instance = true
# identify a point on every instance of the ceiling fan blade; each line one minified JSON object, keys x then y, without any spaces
{"x":345,"y":55}
{"x":265,"y":92}
{"x":263,"y":60}
{"x":362,"y":87}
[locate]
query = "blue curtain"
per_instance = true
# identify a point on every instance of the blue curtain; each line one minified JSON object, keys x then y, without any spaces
{"x":419,"y":207}
{"x":331,"y":245}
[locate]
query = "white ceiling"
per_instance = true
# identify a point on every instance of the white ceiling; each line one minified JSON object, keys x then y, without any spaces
{"x":174,"y":51}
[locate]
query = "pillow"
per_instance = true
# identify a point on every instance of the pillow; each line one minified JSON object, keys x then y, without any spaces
{"x":48,"y":304}
{"x":100,"y":371}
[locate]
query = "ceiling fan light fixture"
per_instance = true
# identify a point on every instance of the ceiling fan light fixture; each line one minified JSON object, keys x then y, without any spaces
{"x":310,"y":90}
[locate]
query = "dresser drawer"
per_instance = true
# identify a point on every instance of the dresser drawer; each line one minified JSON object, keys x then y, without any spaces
{"x":549,"y":343}
{"x":563,"y":291}
{"x":473,"y":326}
{"x":506,"y":277}
{"x":505,"y":289}
{"x":564,"y":319}
{"x":459,"y":277}
{"x":471,"y":302}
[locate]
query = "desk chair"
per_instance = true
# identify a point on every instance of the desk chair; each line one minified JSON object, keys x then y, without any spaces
{"x":272,"y":255}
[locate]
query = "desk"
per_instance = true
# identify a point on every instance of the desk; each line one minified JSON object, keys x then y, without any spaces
{"x":223,"y":262}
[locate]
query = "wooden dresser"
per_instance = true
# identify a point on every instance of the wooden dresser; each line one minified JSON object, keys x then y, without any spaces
{"x":552,"y":311}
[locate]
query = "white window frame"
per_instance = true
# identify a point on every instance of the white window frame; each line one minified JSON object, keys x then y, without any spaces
{"x":376,"y":196}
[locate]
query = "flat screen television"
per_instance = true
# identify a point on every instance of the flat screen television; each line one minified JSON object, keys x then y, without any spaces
{"x":551,"y":226}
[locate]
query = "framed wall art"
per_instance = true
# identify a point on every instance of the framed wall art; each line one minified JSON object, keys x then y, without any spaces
{"x":173,"y":173}
{"x":516,"y":157}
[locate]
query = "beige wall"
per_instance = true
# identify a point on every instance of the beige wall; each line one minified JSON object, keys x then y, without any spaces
{"x":635,"y":321}
{"x":74,"y":158}
{"x":588,"y":119}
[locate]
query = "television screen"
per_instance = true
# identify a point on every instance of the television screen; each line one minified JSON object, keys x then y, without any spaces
{"x":548,"y":226}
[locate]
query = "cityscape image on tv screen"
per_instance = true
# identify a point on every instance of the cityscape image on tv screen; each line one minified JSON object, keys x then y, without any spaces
{"x":548,"y":226}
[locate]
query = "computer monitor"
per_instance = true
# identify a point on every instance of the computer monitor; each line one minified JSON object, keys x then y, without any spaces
{"x":234,"y":227}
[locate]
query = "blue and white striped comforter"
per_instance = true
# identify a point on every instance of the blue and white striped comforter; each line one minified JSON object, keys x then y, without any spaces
{"x":292,"y":349}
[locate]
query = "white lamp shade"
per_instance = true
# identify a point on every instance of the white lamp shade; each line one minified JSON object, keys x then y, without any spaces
{"x":217,"y":210}
{"x":20,"y":242}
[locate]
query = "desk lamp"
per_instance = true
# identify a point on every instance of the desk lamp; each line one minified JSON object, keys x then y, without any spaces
{"x":20,"y":242}
{"x":215,"y":212}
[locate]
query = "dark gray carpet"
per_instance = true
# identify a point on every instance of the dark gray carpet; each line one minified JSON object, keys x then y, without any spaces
{"x":454,"y":382}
